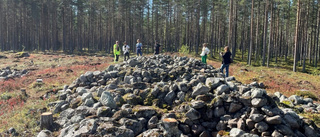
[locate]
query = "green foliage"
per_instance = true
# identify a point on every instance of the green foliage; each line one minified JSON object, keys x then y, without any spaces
{"x":286,"y":104}
{"x":307,"y":94}
{"x":315,"y":71}
{"x":149,"y":100}
{"x":184,"y":49}
{"x":314,"y":117}
{"x":5,"y":96}
{"x":187,"y":97}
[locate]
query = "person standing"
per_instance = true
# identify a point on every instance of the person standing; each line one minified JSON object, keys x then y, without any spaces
{"x":125,"y":50}
{"x":157,"y":48}
{"x":116,"y":51}
{"x":204,"y":53}
{"x":226,"y":60}
{"x":139,"y":47}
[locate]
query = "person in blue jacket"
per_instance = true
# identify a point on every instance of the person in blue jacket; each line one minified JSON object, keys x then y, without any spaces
{"x":139,"y":47}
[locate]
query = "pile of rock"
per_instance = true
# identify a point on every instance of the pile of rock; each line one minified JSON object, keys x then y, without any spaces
{"x":171,"y":96}
{"x":8,"y":73}
{"x":298,"y":103}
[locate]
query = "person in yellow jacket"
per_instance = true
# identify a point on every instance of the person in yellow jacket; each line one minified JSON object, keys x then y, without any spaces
{"x":116,"y":51}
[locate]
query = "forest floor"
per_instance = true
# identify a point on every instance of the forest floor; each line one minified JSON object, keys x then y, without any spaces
{"x":57,"y":70}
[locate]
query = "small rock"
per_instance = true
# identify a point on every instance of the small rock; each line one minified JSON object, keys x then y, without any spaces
{"x":89,"y":102}
{"x":261,"y":85}
{"x":219,"y":111}
{"x":200,"y":90}
{"x":231,"y":78}
{"x":222,"y":89}
{"x":274,"y":120}
{"x":197,"y":129}
{"x":257,"y":117}
{"x":213,"y":83}
{"x":258,"y":102}
{"x":107,"y":100}
{"x":183,"y":86}
{"x":103,"y":111}
{"x":276,"y":133}
{"x":296,"y":99}
{"x":291,"y":121}
{"x":12,"y":130}
{"x":235,"y":132}
{"x":169,"y":97}
{"x":309,"y":131}
{"x":181,"y":95}
{"x":261,"y":126}
{"x":258,"y":93}
{"x":45,"y":133}
{"x":86,"y":96}
{"x":234,"y":107}
{"x":205,"y":134}
{"x":267,"y":110}
{"x":285,"y":130}
{"x":152,"y":123}
{"x":145,"y":111}
{"x":81,"y":90}
{"x":193,"y":114}
{"x":150,"y":133}
{"x":221,"y":125}
{"x":134,"y":125}
{"x":184,"y":128}
{"x":250,"y":123}
{"x":254,"y":84}
{"x":197,"y":104}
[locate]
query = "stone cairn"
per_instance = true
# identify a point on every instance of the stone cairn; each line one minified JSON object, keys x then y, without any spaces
{"x":164,"y":96}
{"x":8,"y":73}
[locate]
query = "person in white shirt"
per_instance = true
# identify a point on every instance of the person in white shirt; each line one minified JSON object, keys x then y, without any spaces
{"x":204,"y":53}
{"x":125,"y":50}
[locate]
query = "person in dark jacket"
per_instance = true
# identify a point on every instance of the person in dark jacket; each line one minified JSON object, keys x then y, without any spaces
{"x":226,"y":60}
{"x":157,"y":48}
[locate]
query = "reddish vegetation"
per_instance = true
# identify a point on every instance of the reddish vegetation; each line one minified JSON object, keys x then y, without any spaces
{"x":53,"y":77}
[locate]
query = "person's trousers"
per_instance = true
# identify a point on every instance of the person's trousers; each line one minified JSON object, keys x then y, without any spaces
{"x":116,"y":58}
{"x":204,"y":59}
{"x":139,"y":52}
{"x":126,"y":56}
{"x":226,"y":66}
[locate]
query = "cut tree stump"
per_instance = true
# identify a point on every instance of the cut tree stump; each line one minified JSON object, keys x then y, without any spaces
{"x":46,"y":120}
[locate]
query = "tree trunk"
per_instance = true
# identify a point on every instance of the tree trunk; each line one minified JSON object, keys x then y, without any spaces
{"x":257,"y":34}
{"x":251,"y":33}
{"x":234,"y":25}
{"x":230,"y":23}
{"x":270,"y":34}
{"x":296,"y":38}
{"x":265,"y":34}
{"x":287,"y":34}
{"x":306,"y":39}
{"x":317,"y":37}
